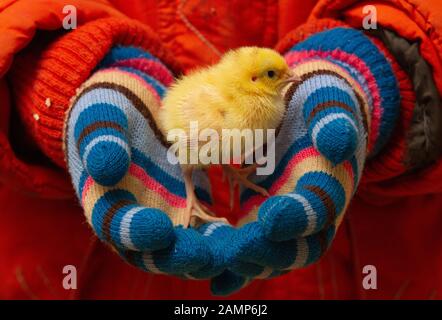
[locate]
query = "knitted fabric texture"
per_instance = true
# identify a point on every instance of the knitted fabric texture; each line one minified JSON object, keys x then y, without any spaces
{"x":42,"y":90}
{"x":343,"y":110}
{"x":131,"y":195}
{"x":390,"y":162}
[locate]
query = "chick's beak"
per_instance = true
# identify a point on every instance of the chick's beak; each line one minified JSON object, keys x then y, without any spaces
{"x":291,"y":77}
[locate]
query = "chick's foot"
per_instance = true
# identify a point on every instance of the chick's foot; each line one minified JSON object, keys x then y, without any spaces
{"x":194,"y":208}
{"x":239,"y":176}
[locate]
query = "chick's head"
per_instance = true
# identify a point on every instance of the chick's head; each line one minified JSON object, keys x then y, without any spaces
{"x":258,"y":71}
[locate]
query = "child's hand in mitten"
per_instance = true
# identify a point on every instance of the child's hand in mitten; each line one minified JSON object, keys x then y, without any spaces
{"x":132,"y":196}
{"x":343,"y":110}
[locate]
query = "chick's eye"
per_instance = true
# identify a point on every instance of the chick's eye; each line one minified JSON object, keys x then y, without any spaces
{"x":270,"y":73}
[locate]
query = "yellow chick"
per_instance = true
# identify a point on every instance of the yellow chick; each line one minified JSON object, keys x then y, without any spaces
{"x":242,"y":91}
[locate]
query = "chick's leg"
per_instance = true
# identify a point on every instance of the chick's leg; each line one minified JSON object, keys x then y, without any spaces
{"x":194,"y":207}
{"x":240,"y":176}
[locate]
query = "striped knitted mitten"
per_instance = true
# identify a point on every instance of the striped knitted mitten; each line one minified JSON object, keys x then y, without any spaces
{"x":342,"y":112}
{"x":131,"y":195}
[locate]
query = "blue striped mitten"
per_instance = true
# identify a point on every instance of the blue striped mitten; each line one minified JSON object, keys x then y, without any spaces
{"x":343,"y":111}
{"x":132,"y":196}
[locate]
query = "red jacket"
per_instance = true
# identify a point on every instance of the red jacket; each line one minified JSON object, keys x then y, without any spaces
{"x":393,"y":223}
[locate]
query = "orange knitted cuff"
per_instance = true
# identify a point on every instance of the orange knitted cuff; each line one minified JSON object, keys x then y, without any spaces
{"x":44,"y":80}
